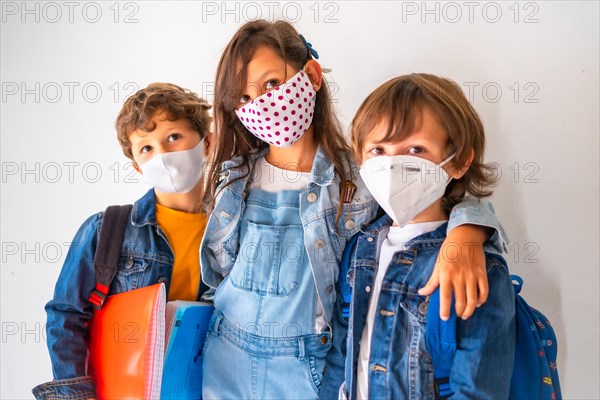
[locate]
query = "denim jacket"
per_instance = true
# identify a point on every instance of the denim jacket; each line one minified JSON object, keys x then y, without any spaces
{"x":400,"y":364}
{"x":146,"y":259}
{"x":324,"y":241}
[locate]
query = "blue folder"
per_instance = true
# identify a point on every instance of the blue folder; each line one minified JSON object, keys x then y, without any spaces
{"x":187,"y":326}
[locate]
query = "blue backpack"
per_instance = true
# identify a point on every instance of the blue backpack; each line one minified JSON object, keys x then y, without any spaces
{"x":535,"y":375}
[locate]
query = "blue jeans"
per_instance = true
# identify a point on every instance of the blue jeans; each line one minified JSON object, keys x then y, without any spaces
{"x":265,"y":367}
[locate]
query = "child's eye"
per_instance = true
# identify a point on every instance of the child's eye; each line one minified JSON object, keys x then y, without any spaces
{"x":415,"y":150}
{"x":244,"y":99}
{"x":377,"y":151}
{"x":270,"y":85}
{"x":173,"y":137}
{"x":146,"y":149}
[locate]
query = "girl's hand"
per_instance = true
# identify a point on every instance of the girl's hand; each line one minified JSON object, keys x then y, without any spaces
{"x":460,"y":266}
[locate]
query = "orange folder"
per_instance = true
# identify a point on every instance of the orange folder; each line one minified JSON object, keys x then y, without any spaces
{"x":126,"y":348}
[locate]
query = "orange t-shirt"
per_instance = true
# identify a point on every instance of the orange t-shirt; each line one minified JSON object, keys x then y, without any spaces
{"x":184,"y":232}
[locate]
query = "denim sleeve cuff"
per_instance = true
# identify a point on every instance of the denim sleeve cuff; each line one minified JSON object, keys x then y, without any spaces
{"x":79,"y":388}
{"x":480,"y":212}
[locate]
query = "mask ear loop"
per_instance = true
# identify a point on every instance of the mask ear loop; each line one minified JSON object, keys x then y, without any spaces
{"x":447,"y":159}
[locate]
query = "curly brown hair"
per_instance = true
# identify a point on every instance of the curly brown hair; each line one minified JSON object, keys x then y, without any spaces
{"x":139,"y":108}
{"x":400,"y":102}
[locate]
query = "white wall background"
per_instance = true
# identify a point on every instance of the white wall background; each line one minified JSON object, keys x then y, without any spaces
{"x":530,"y":68}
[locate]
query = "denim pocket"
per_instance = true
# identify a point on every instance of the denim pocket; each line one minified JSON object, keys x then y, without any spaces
{"x":315,"y":367}
{"x":130,"y":274}
{"x":353,"y":216}
{"x":416,"y":306}
{"x":270,"y":259}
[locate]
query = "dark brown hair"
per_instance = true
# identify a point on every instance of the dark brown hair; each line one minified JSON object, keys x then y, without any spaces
{"x":233,"y":139}
{"x":139,"y":108}
{"x":399,"y":104}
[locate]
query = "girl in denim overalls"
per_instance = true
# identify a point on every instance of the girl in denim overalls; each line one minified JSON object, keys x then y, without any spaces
{"x":286,"y":197}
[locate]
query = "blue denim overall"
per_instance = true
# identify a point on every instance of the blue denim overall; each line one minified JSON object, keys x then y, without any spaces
{"x":269,"y":336}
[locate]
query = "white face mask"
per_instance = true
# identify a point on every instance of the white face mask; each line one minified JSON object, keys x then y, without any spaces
{"x":404,"y":186}
{"x":176,"y":171}
{"x":280,"y":117}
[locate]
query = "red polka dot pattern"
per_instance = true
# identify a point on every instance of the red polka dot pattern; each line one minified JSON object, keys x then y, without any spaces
{"x":275,"y":111}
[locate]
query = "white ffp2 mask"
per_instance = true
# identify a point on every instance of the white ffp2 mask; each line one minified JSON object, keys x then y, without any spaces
{"x":404,"y":185}
{"x":175,"y":171}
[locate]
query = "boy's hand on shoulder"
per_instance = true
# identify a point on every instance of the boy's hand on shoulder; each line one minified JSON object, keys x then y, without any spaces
{"x":460,"y":266}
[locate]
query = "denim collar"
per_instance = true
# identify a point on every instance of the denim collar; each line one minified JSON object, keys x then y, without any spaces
{"x":232,"y":170}
{"x":429,"y":240}
{"x":144,"y":210}
{"x":383,"y":222}
{"x":322,"y":172}
{"x":421,"y":242}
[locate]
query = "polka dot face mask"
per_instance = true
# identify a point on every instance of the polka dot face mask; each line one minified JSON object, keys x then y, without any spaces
{"x":280,"y":117}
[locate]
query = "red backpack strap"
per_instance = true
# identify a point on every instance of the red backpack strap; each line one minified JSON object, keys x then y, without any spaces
{"x":108,"y":251}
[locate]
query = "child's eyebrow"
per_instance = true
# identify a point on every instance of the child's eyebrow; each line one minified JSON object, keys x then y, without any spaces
{"x":381,"y":141}
{"x":262,"y":77}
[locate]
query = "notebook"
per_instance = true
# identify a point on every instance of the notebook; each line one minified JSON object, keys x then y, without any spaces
{"x":128,"y":339}
{"x":187,"y":325}
{"x":126,"y":349}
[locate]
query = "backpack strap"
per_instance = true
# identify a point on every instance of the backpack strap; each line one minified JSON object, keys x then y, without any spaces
{"x":108,"y":251}
{"x":441,"y":342}
{"x":344,"y":285}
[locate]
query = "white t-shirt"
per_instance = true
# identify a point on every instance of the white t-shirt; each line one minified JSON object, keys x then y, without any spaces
{"x":395,"y":241}
{"x":272,"y":179}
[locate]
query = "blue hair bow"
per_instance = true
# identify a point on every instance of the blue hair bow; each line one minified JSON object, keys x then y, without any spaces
{"x":308,"y":45}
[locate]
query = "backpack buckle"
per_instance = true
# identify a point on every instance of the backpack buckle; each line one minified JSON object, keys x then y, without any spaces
{"x":98,"y":296}
{"x":442,"y":388}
